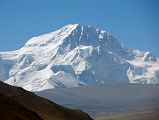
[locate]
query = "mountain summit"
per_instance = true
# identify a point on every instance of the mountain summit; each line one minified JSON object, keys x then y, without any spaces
{"x":74,"y":56}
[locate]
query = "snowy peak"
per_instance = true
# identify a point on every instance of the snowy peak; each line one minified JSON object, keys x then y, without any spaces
{"x":76,"y":55}
{"x":71,"y":36}
{"x":45,"y":39}
{"x":89,"y":36}
{"x":149,"y":57}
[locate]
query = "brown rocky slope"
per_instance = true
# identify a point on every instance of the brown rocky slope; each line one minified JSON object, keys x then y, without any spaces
{"x":26,"y":104}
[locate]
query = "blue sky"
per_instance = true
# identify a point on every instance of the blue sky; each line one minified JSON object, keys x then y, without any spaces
{"x":135,"y":23}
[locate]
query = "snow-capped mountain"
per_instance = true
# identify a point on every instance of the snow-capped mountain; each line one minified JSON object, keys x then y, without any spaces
{"x":73,"y":56}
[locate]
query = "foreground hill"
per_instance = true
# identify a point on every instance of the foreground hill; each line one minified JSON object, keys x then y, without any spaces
{"x":110,"y":100}
{"x":18,"y":104}
{"x":74,"y":56}
{"x":10,"y":109}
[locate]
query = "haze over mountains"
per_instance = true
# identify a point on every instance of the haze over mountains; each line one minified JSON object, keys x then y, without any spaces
{"x":75,"y":56}
{"x":110,"y":101}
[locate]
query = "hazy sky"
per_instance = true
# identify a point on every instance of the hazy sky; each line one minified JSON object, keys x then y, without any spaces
{"x":135,"y":23}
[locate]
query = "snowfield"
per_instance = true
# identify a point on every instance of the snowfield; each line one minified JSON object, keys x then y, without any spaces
{"x":75,"y":56}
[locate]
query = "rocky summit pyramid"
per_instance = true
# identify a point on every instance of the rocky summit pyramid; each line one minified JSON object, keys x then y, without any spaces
{"x":74,"y":56}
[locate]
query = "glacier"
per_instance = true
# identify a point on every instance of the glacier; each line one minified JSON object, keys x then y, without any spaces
{"x":73,"y":56}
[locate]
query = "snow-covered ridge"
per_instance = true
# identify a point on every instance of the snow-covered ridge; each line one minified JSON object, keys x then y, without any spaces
{"x":76,"y":55}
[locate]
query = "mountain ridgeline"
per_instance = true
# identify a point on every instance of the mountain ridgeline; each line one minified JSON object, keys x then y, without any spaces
{"x":19,"y":104}
{"x":75,"y":56}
